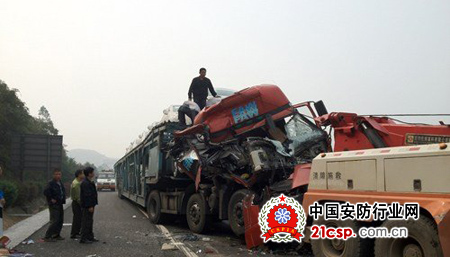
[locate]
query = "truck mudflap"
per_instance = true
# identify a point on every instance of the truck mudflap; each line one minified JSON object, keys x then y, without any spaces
{"x":442,"y":218}
{"x":300,"y":176}
{"x":252,"y":229}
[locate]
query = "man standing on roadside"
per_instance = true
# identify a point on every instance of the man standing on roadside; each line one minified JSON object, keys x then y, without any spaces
{"x":2,"y":203}
{"x":199,"y":88}
{"x":76,"y":204}
{"x":89,"y":199}
{"x":56,"y":197}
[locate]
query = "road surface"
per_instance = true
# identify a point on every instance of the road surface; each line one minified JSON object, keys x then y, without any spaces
{"x":124,"y":230}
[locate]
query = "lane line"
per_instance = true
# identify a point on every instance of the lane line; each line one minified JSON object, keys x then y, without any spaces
{"x":181,"y":246}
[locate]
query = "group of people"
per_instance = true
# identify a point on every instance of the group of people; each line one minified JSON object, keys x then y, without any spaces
{"x":84,"y":199}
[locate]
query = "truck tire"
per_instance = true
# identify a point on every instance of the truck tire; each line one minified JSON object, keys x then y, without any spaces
{"x":154,"y":207}
{"x":196,"y":214}
{"x":354,"y":246}
{"x":423,"y":239}
{"x":236,"y":211}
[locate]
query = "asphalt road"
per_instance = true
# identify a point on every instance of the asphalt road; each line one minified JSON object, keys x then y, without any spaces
{"x":119,"y":233}
{"x":123,"y":230}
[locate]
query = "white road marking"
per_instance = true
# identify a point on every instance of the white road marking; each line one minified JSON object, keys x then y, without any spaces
{"x":181,"y":246}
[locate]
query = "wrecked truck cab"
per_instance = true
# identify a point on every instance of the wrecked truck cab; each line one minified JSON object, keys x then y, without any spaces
{"x":244,"y":111}
{"x":259,"y":111}
{"x":248,"y":143}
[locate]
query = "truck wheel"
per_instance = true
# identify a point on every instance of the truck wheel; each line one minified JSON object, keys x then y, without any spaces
{"x":236,"y":211}
{"x":154,"y":207}
{"x":196,"y":214}
{"x":354,"y":246}
{"x":422,"y":241}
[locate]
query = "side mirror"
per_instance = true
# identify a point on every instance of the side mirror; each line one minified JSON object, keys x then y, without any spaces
{"x":320,"y":108}
{"x":166,"y":111}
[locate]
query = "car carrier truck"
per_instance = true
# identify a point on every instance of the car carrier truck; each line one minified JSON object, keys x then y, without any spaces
{"x":251,"y":141}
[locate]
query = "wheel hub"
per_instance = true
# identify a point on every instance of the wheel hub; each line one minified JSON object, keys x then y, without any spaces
{"x":237,"y":211}
{"x":194,"y":213}
{"x":412,"y":250}
{"x":152,"y":208}
{"x":338,"y":244}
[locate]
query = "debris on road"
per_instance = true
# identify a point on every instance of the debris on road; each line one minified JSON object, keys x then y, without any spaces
{"x":21,"y":255}
{"x":4,"y":241}
{"x":134,"y":216}
{"x":206,"y":239}
{"x":188,"y":237}
{"x":168,"y":247}
{"x":4,"y":251}
{"x":28,"y":242}
{"x":14,"y":253}
{"x":210,"y":249}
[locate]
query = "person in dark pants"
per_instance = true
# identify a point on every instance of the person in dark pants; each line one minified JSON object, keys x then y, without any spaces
{"x":89,"y":199}
{"x":76,"y":204}
{"x":199,"y":88}
{"x":56,"y":197}
{"x":190,"y":109}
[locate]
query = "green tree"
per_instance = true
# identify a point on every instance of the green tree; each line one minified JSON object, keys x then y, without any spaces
{"x":45,"y":122}
{"x":15,"y":119}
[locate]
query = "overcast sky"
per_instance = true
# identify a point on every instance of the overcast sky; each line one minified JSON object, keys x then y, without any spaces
{"x":106,"y":69}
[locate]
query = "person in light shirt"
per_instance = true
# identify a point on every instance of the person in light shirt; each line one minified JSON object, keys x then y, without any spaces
{"x":76,"y":204}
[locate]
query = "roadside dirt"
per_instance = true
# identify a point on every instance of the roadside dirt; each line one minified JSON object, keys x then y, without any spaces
{"x":10,"y":221}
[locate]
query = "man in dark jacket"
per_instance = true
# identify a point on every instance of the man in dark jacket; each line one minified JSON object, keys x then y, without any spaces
{"x":199,"y":88}
{"x":56,"y":197}
{"x":89,"y":199}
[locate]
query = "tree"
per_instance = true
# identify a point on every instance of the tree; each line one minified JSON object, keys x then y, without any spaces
{"x":45,"y":122}
{"x":15,"y":119}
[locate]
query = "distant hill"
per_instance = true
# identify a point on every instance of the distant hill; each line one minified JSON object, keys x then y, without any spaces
{"x":101,"y":161}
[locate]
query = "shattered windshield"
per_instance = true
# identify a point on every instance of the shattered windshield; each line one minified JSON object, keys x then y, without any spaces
{"x":301,"y":132}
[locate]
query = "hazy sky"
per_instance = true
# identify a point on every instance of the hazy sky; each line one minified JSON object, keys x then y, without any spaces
{"x":106,"y":69}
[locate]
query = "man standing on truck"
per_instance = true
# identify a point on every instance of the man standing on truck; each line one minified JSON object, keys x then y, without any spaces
{"x":89,"y":199}
{"x":199,"y":88}
{"x":56,"y":197}
{"x":76,"y":204}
